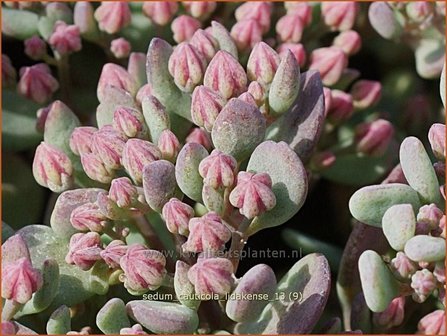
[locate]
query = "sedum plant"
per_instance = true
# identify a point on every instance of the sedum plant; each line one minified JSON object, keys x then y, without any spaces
{"x":213,"y":122}
{"x":164,"y":193}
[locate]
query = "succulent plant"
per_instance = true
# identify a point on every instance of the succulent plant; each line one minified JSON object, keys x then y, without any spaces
{"x":212,"y":123}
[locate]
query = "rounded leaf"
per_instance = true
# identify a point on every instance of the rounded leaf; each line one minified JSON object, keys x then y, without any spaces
{"x":368,"y":205}
{"x":187,"y":170}
{"x":425,"y":248}
{"x":399,"y":225}
{"x":159,"y":183}
{"x":418,"y":170}
{"x":238,"y":129}
{"x":378,"y":283}
{"x":112,"y":317}
{"x":163,"y":317}
{"x":289,"y":182}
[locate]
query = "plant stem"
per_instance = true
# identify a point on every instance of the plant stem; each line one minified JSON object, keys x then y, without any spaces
{"x":64,"y":77}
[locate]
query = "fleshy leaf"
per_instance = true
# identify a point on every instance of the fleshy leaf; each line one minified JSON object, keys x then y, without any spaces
{"x":112,"y":317}
{"x":20,"y":24}
{"x":65,"y":204}
{"x":18,"y":122}
{"x":430,"y":57}
{"x":163,"y":317}
{"x":156,"y":117}
{"x":382,"y":18}
{"x":114,"y":97}
{"x":238,"y":129}
{"x":224,"y":39}
{"x":259,"y":280}
{"x":419,"y":171}
{"x":378,"y":284}
{"x":187,"y":170}
{"x":425,"y":248}
{"x":302,"y":124}
{"x":59,"y":322}
{"x":43,"y":244}
{"x":310,"y":277}
{"x":159,"y":183}
{"x":289,"y":182}
{"x":369,"y":204}
{"x":162,"y":83}
{"x":399,"y":224}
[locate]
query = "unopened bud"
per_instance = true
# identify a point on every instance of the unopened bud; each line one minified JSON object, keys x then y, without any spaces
{"x":373,"y":138}
{"x":84,"y":250}
{"x":37,"y":83}
{"x":177,"y":215}
{"x":366,"y":93}
{"x":112,"y":16}
{"x":184,"y":27}
{"x":160,"y":12}
{"x":52,"y":168}
{"x":205,"y":106}
{"x":120,"y":47}
{"x":35,"y":48}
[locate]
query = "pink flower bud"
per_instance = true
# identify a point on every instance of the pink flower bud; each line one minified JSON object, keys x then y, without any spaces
{"x":113,"y":252}
{"x":95,"y":168}
{"x":200,"y":9}
{"x":393,"y":315}
{"x":246,"y":34}
{"x":8,"y":327}
{"x":123,"y":192}
{"x":65,"y":39}
{"x":258,"y":92}
{"x":330,"y":62}
{"x":259,"y":11}
{"x":403,"y":266}
{"x":136,"y":329}
{"x":341,"y":106}
{"x":290,"y":28}
{"x":297,"y":50}
{"x":323,"y":160}
{"x":302,"y":9}
{"x":439,"y":271}
{"x":115,"y":75}
{"x":35,"y":48}
{"x":9,"y":74}
{"x":373,"y":138}
{"x":112,"y":16}
{"x":218,"y":170}
{"x":129,"y":121}
{"x":143,"y":92}
{"x":205,"y":106}
{"x":328,"y":100}
{"x":262,"y":63}
{"x":169,"y":145}
{"x":138,"y":153}
{"x":184,"y":27}
{"x":37,"y":83}
{"x":52,"y":168}
{"x":211,"y":276}
{"x":177,"y":215}
{"x":349,"y":41}
{"x":81,"y":140}
{"x":187,"y":66}
{"x":433,"y":323}
{"x":431,"y":215}
{"x":366,"y":93}
{"x":423,"y":282}
{"x":160,"y":12}
{"x":253,"y":194}
{"x":20,"y":280}
{"x":143,"y":268}
{"x":418,"y":11}
{"x":225,"y":75}
{"x":436,"y":137}
{"x":339,"y":15}
{"x":108,"y":145}
{"x":207,"y":233}
{"x":200,"y":136}
{"x":84,"y":250}
{"x":248,"y":98}
{"x":88,"y":217}
{"x":120,"y":48}
{"x":205,"y":43}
